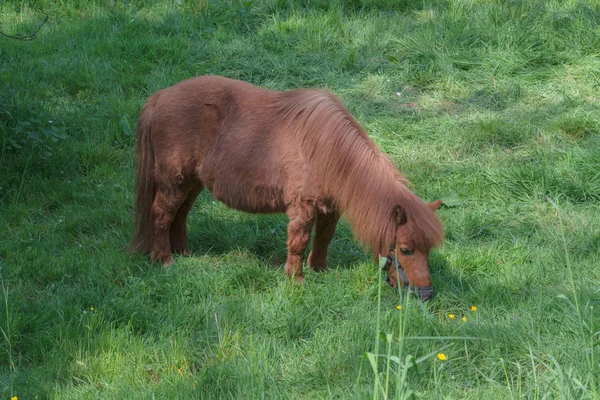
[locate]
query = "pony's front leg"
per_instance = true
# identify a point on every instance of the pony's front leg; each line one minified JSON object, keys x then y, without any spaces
{"x":302,"y":218}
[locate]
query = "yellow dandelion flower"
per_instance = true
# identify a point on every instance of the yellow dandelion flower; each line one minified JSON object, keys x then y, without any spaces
{"x":442,"y":357}
{"x":14,"y":398}
{"x":398,"y":307}
{"x":451,"y":316}
{"x":91,"y":308}
{"x":389,"y":135}
{"x":464,"y":319}
{"x":473,"y":308}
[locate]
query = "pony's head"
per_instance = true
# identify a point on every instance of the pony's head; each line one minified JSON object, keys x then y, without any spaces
{"x":408,"y":261}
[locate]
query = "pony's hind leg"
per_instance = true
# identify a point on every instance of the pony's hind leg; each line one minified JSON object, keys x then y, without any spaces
{"x":177,"y":233}
{"x":302,"y":218}
{"x":167,"y":202}
{"x":324,"y":231}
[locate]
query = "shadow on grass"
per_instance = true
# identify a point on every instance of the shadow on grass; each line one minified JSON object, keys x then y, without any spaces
{"x":214,"y":229}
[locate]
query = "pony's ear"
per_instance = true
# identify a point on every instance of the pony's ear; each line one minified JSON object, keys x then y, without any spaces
{"x":434,"y":205}
{"x":400,"y":215}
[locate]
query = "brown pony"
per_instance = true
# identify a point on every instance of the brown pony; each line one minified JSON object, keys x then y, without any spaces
{"x":263,"y":151}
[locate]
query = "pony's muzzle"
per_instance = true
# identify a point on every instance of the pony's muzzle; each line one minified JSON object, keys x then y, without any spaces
{"x":425,"y":293}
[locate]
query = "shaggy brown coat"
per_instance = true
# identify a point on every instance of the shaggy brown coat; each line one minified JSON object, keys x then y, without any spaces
{"x":263,"y":151}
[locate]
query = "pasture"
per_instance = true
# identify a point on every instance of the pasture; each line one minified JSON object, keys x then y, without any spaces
{"x":491,"y":106}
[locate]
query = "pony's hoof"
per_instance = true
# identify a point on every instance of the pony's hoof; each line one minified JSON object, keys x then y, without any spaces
{"x":183,"y":252}
{"x":166,"y":263}
{"x":298,"y":279}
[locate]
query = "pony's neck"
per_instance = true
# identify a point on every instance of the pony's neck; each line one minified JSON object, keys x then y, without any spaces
{"x":351,"y":171}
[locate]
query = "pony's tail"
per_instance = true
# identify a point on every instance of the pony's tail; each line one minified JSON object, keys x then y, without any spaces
{"x":145,"y":188}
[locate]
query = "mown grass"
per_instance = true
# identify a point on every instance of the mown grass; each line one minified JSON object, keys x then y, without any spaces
{"x":491,"y":105}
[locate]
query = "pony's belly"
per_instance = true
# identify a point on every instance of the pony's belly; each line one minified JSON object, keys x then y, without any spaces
{"x":255,"y":199}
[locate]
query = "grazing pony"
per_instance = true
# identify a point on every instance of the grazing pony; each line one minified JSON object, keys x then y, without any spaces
{"x":262,"y":151}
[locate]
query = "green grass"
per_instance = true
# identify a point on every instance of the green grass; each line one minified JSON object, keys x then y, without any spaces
{"x":493,"y":104}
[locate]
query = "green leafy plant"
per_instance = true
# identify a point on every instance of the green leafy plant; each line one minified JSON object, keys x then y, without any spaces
{"x":25,"y":127}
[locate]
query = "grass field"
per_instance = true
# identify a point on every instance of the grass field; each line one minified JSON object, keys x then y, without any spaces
{"x":491,"y":105}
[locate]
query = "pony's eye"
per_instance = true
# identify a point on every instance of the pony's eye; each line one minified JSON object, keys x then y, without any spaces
{"x":405,"y":252}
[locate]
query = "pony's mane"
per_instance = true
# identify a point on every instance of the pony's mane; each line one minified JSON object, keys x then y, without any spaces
{"x":365,"y":184}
